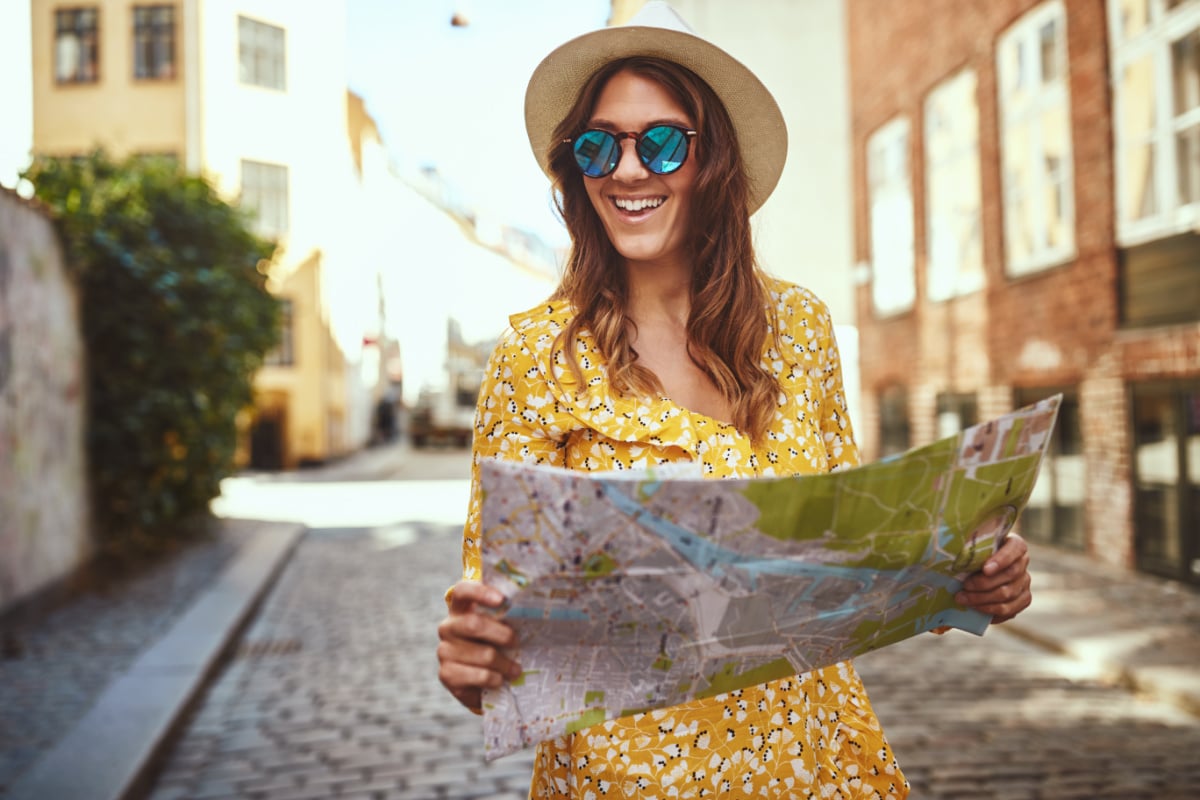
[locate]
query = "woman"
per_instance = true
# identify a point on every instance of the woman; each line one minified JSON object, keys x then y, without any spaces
{"x":663,"y":343}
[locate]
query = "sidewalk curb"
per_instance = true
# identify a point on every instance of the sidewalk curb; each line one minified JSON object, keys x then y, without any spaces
{"x":112,"y":749}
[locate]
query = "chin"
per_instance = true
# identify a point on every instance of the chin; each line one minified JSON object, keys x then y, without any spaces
{"x":635,"y":250}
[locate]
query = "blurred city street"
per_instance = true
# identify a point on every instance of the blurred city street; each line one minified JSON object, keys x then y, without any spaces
{"x":309,"y":260}
{"x":331,"y":690}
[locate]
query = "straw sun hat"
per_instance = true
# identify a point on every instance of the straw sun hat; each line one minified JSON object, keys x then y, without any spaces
{"x":658,"y":31}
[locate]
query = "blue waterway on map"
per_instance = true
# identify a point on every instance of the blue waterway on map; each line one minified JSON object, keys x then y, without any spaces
{"x":710,"y":557}
{"x":558,"y":613}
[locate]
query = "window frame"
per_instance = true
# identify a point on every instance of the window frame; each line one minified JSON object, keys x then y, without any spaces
{"x":963,"y":406}
{"x":1163,"y":29}
{"x":1043,"y":98}
{"x":896,"y":188}
{"x":251,"y":54}
{"x":284,"y":353}
{"x":86,"y":46}
{"x":154,"y":30}
{"x":278,"y":225}
{"x":1182,"y":506}
{"x":1062,"y":477}
{"x":967,"y":278}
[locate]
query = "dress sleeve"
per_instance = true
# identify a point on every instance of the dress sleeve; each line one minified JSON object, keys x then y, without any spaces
{"x":516,"y":419}
{"x":836,"y":430}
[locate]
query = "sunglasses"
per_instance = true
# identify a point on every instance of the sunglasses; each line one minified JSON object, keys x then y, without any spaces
{"x":662,"y":149}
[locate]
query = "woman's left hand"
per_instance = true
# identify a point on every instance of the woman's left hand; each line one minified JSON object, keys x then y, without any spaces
{"x":1002,"y":587}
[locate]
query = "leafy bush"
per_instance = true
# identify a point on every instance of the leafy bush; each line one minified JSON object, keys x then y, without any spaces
{"x":176,"y":319}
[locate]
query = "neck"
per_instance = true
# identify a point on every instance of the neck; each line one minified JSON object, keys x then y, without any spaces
{"x":659,"y":291}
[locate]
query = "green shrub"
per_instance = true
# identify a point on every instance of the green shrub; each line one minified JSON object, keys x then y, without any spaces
{"x":176,"y":319}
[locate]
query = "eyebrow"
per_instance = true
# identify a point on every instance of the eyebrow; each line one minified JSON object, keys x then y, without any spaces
{"x":604,"y":124}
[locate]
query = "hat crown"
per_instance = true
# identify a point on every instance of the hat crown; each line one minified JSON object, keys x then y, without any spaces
{"x":659,"y":14}
{"x":657,"y":31}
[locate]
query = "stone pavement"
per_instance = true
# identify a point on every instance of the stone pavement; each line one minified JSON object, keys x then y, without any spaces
{"x":60,"y":653}
{"x":332,"y":692}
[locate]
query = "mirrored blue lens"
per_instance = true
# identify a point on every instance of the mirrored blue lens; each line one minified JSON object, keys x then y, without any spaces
{"x":663,"y":149}
{"x":597,"y":153}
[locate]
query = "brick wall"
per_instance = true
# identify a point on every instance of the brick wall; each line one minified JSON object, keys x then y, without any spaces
{"x":1054,"y":328}
{"x":43,"y":493}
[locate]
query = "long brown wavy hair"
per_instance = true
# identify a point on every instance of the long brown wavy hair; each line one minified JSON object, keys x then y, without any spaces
{"x":727,"y":325}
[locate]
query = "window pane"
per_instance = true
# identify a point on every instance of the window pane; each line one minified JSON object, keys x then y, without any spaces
{"x":894,"y":436}
{"x":1187,"y":153}
{"x":1055,"y":141}
{"x":1192,"y":403}
{"x":1133,"y":16}
{"x":893,"y":286}
{"x":1050,"y":50}
{"x":1156,"y":459}
{"x":952,"y":178}
{"x":261,"y":54}
{"x":154,"y":42}
{"x":265,"y":193}
{"x":76,"y":52}
{"x":1137,"y":121}
{"x":1055,"y":510}
{"x":1155,"y":440}
{"x":67,"y":57}
{"x":1018,"y":188}
{"x":954,"y":413}
{"x":1011,"y":58}
{"x":1185,"y":72}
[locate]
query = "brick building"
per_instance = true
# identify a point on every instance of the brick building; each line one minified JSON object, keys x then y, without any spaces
{"x":1027,"y":200}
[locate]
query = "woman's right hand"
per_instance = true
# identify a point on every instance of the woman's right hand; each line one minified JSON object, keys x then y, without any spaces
{"x":471,"y":643}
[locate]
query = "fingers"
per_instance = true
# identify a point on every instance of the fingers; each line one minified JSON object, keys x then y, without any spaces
{"x":1002,"y":587}
{"x":468,"y":593}
{"x":470,"y":653}
{"x":1002,"y":603}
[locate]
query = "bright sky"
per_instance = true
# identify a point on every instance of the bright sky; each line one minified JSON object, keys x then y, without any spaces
{"x":454,"y":96}
{"x":16,"y":96}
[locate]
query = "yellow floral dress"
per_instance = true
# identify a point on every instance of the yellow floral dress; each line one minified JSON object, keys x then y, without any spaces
{"x":812,"y":735}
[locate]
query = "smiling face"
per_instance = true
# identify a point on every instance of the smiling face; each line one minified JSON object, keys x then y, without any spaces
{"x":645,"y":215}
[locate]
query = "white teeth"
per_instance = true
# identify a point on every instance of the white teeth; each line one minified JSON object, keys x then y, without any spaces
{"x":637,"y":205}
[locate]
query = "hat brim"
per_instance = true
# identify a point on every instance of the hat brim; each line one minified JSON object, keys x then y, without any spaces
{"x":757,"y":120}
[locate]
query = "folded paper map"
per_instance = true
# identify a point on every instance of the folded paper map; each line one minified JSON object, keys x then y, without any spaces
{"x":635,"y":591}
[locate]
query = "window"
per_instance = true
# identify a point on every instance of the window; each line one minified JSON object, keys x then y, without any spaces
{"x":1166,"y":462}
{"x":952,"y":207}
{"x":76,"y":45}
{"x":1055,"y":511}
{"x":154,"y":42}
{"x":955,"y":412}
{"x":889,"y":179}
{"x":894,"y":433}
{"x":261,"y":54}
{"x":1035,"y":124}
{"x":1156,"y":112}
{"x":284,"y":354}
{"x":265,"y":192}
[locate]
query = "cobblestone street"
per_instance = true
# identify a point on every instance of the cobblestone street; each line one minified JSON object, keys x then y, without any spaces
{"x":333,"y":693}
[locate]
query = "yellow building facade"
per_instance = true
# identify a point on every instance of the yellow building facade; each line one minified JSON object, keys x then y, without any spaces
{"x":218,"y":85}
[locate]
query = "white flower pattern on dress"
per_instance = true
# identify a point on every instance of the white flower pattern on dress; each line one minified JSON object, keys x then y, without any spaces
{"x":811,"y":735}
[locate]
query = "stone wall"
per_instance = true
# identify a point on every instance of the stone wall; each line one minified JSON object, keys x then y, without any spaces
{"x":43,"y":490}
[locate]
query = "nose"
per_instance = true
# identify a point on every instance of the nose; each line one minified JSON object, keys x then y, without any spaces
{"x":629,"y":166}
